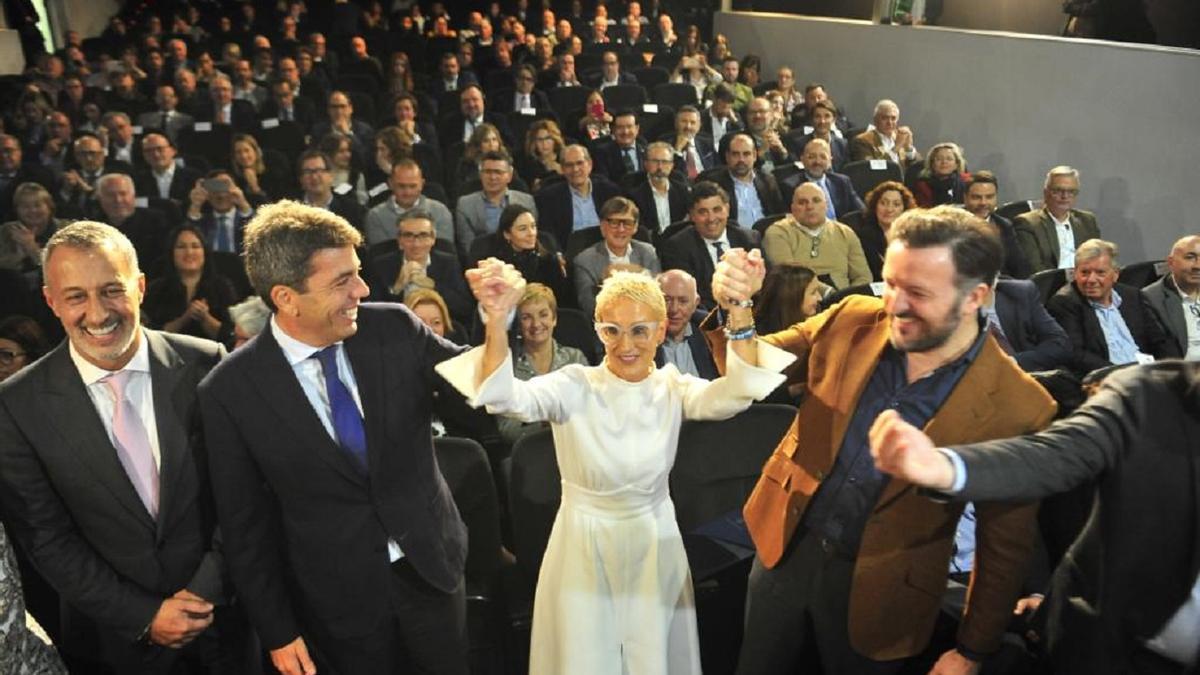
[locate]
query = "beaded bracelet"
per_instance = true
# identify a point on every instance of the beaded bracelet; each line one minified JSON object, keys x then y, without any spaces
{"x":745,"y":304}
{"x":744,"y":333}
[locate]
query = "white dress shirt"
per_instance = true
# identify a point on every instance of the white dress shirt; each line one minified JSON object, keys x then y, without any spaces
{"x":1066,"y":240}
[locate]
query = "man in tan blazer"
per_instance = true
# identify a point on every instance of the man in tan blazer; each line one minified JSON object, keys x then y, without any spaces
{"x":1050,"y":235}
{"x":888,"y":140}
{"x":850,"y":564}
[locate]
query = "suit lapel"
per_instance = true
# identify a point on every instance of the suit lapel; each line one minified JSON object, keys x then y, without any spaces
{"x":1051,"y":233}
{"x":83,"y":433}
{"x":278,"y":386}
{"x":170,"y":404}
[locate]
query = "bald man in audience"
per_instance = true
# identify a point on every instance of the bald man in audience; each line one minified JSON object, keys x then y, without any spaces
{"x":1175,"y":298}
{"x":685,"y":346}
{"x":807,"y":236}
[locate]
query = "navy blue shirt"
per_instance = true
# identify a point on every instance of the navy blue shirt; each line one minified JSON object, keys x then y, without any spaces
{"x":840,"y":508}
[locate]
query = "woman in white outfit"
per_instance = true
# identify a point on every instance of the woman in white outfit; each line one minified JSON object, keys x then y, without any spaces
{"x":614,"y":592}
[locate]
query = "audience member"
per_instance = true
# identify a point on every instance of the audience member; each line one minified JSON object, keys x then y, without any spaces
{"x":346,"y":168}
{"x":596,"y":122}
{"x":981,"y":199}
{"x":260,"y":181}
{"x":1024,"y":329}
{"x":823,"y":116}
{"x":772,"y":151}
{"x":465,"y":171}
{"x":808,"y":237}
{"x":752,"y":194}
{"x":119,"y":138}
{"x":315,"y":171}
{"x":417,"y":264}
{"x":250,"y":317}
{"x":720,"y":118}
{"x":1050,"y":235}
{"x":478,"y":213}
{"x":693,"y":153}
{"x":15,"y":172}
{"x":684,"y":345}
{"x":285,"y":106}
{"x":451,"y":76}
{"x":617,"y":247}
{"x":78,"y":185}
{"x":624,"y":152}
{"x":610,"y":74}
{"x":1108,"y":323}
{"x":523,"y":96}
{"x":840,"y":197}
{"x":661,"y":197}
{"x":538,"y":163}
{"x":145,"y":227}
{"x":943,"y":179}
{"x":161,"y":176}
{"x":519,"y":244}
{"x":22,"y":239}
{"x":1175,"y":298}
{"x":190,"y":297}
{"x":698,"y":247}
{"x":223,"y":108}
{"x":805,"y":115}
{"x":574,"y":204}
{"x":884,"y":205}
{"x":341,"y":121}
{"x":22,"y":341}
{"x":888,"y":140}
{"x":407,"y":183}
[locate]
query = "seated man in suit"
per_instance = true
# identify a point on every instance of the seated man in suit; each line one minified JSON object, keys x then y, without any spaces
{"x":14,"y":172}
{"x":805,"y":115}
{"x":223,"y":108}
{"x":219,"y":208}
{"x":694,"y":152}
{"x":405,"y":110}
{"x":981,"y":200}
{"x":840,"y":197}
{"x":752,"y":194}
{"x":720,"y":118}
{"x":167,"y":117}
{"x":685,"y":346}
{"x":285,"y":106}
{"x":1023,"y":328}
{"x":888,"y":140}
{"x":460,"y":124}
{"x":1050,"y":236}
{"x":478,"y":213}
{"x":162,"y":177}
{"x":315,"y":171}
{"x":101,"y":475}
{"x":824,"y":114}
{"x":116,"y":202}
{"x":574,"y":204}
{"x":807,"y":236}
{"x":407,"y":182}
{"x":451,"y":76}
{"x":1108,"y":323}
{"x":244,"y":86}
{"x":610,"y":74}
{"x":661,"y":198}
{"x":773,"y":152}
{"x":77,"y":187}
{"x":340,"y":112}
{"x":618,"y":223}
{"x":523,"y":95}
{"x":624,"y":152}
{"x":120,"y":138}
{"x":697,"y":249}
{"x":1175,"y":298}
{"x":417,"y":264}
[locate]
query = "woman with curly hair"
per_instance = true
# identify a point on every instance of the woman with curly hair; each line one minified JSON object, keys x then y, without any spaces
{"x":539,"y":158}
{"x":883,"y":205}
{"x":944,"y":178}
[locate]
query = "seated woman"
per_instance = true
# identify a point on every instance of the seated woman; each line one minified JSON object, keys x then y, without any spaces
{"x":539,"y":160}
{"x":261,"y":184}
{"x":431,"y":308}
{"x":190,"y":298}
{"x":614,"y":593}
{"x":790,"y":294}
{"x":517,"y":243}
{"x":21,"y":240}
{"x":485,"y":138}
{"x":22,"y":342}
{"x":944,"y":178}
{"x":347,"y":175}
{"x":596,"y":121}
{"x":883,"y":205}
{"x":538,"y":352}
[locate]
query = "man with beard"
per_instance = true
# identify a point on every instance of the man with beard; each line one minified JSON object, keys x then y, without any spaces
{"x":851,"y":566}
{"x":661,"y":197}
{"x":752,"y":194}
{"x":1175,"y":298}
{"x":101,"y":477}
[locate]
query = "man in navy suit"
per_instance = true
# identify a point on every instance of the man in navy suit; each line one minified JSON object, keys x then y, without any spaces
{"x":573,"y":204}
{"x":162,"y":177}
{"x":340,"y":533}
{"x":221,"y":213}
{"x":840,"y":197}
{"x":417,"y":264}
{"x":1030,"y":334}
{"x":694,"y":151}
{"x":458,"y":125}
{"x":685,"y":345}
{"x":610,"y":73}
{"x":624,"y":152}
{"x":697,"y":249}
{"x":657,"y":188}
{"x":753,"y":194}
{"x":453,"y":78}
{"x":223,"y":108}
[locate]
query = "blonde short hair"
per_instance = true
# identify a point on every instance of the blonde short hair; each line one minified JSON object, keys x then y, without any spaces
{"x":635,"y":286}
{"x":536,"y":292}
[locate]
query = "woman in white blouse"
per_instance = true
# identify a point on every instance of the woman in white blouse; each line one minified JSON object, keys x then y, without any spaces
{"x":614,"y":591}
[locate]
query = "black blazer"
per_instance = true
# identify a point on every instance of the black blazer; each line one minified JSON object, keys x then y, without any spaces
{"x":68,"y":499}
{"x":305,"y":533}
{"x":678,"y":196}
{"x":554,"y":206}
{"x":607,"y":158}
{"x":839,"y":149}
{"x":701,"y":354}
{"x":304,"y":113}
{"x":181,"y":183}
{"x":505,"y":101}
{"x":1039,"y":342}
{"x":704,"y":148}
{"x":242,"y":114}
{"x":687,"y":251}
{"x":450,"y":128}
{"x":845,"y":199}
{"x":208,"y":225}
{"x":1088,"y":345}
{"x":764,"y":184}
{"x":1015,"y":264}
{"x":1123,"y":578}
{"x":447,"y":278}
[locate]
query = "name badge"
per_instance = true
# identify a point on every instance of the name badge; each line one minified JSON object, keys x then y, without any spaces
{"x":377,"y":190}
{"x":203,"y":126}
{"x":807,"y":129}
{"x":270,"y":123}
{"x":344,"y":188}
{"x":531,"y":112}
{"x":650,"y":108}
{"x":1143,"y":359}
{"x":141,"y":202}
{"x":877,"y":288}
{"x":137,"y":130}
{"x":878,"y":164}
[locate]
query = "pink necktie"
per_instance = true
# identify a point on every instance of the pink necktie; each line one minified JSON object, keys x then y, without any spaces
{"x":133,"y":443}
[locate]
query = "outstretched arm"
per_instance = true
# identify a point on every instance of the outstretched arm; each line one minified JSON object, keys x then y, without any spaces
{"x":497,"y":287}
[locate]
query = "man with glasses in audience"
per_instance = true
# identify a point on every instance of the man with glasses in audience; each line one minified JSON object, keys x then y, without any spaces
{"x":1050,"y":235}
{"x":808,"y":237}
{"x":523,"y":95}
{"x":315,"y":171}
{"x":162,"y":177}
{"x":574,"y":204}
{"x":662,"y":197}
{"x":697,"y":249}
{"x":416,"y":264}
{"x":1175,"y":298}
{"x":407,"y":182}
{"x":478,"y":213}
{"x":618,"y":224}
{"x":340,"y":110}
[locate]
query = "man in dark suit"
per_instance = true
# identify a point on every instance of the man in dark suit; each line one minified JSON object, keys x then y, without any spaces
{"x":1137,"y":439}
{"x":102,"y":476}
{"x":13,"y":172}
{"x":981,"y":199}
{"x":522,"y":96}
{"x":657,"y":185}
{"x":720,"y":118}
{"x":222,"y":108}
{"x":459,"y":125}
{"x":1050,"y":236}
{"x":116,"y":205}
{"x":451,"y":76}
{"x":752,"y":194}
{"x":610,"y":73}
{"x":416,"y":264}
{"x":340,"y":532}
{"x":166,"y":118}
{"x":315,"y":171}
{"x":573,"y":204}
{"x":685,"y":346}
{"x":697,"y":249}
{"x":1175,"y":298}
{"x":285,"y":106}
{"x":162,"y":177}
{"x":840,"y":197}
{"x":340,"y":120}
{"x":76,"y":192}
{"x":694,"y":152}
{"x":1108,"y":323}
{"x":221,"y":213}
{"x":1025,"y":329}
{"x":624,"y":152}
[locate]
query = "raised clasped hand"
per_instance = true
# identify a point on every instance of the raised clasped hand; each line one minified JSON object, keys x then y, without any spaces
{"x":497,"y":287}
{"x":738,"y":277}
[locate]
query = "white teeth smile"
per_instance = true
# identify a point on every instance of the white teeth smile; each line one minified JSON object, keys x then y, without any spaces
{"x":103,"y":330}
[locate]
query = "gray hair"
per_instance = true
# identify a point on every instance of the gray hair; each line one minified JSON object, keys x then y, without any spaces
{"x":582,"y":148}
{"x":1095,"y":248}
{"x":250,"y":315}
{"x":107,"y":178}
{"x":89,"y":235}
{"x":112,"y":115}
{"x":1058,"y":171}
{"x":884,"y":104}
{"x":281,"y":240}
{"x":660,"y":145}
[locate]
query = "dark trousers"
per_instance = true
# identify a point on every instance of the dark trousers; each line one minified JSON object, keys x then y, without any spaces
{"x":425,"y":632}
{"x":797,"y":613}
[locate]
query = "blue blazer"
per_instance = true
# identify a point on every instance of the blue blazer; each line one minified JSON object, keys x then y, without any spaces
{"x":1039,"y":342}
{"x":701,"y":353}
{"x":845,"y":199}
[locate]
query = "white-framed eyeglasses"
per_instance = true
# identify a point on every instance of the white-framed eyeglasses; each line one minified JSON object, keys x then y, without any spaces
{"x":640,"y":333}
